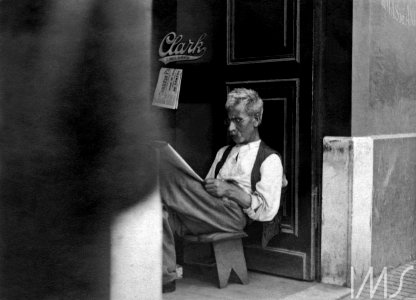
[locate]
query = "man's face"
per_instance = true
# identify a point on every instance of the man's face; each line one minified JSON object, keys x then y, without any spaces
{"x":241,"y":127}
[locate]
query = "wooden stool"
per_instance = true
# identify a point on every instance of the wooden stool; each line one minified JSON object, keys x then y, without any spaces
{"x":229,"y":254}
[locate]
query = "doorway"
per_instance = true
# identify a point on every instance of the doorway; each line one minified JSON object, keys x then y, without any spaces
{"x":265,"y":45}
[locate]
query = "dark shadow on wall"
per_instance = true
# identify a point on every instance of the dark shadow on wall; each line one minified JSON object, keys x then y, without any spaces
{"x":73,"y":145}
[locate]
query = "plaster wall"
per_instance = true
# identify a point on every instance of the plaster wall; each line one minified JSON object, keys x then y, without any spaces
{"x":383,"y":67}
{"x":380,"y":223}
{"x":368,"y":206}
{"x":394,"y":201}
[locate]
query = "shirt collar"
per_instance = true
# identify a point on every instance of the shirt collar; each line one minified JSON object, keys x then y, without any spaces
{"x":251,"y":145}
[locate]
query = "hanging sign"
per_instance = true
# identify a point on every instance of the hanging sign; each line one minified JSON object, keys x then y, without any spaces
{"x":173,"y":48}
{"x":168,"y":88}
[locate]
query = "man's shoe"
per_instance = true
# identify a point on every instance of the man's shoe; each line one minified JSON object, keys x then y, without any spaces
{"x":169,"y":287}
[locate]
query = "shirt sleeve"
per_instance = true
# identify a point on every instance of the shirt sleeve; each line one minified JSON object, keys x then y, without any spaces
{"x":265,"y":201}
{"x":211,"y":172}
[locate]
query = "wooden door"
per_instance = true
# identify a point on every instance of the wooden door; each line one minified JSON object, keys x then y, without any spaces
{"x":269,"y":49}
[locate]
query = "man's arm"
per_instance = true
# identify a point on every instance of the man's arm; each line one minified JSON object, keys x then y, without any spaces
{"x":223,"y":188}
{"x":266,"y":199}
{"x":261,"y":205}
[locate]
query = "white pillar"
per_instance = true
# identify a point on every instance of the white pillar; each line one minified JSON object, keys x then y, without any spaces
{"x":347,"y":195}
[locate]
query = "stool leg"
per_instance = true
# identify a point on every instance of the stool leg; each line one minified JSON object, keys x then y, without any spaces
{"x":230,"y":255}
{"x":239,"y":265}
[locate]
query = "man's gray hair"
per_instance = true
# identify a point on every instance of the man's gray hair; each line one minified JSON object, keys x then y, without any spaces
{"x":253,"y":103}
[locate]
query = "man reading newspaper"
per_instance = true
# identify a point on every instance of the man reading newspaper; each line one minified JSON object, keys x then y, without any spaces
{"x":243,"y":184}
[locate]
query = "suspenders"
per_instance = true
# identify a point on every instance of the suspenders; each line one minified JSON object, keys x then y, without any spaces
{"x":222,"y":161}
{"x":262,"y":154}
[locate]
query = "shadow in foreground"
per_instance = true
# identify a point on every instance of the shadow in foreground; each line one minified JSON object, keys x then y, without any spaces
{"x":74,"y":128}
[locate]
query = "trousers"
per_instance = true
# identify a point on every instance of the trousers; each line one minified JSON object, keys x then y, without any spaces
{"x":189,"y":209}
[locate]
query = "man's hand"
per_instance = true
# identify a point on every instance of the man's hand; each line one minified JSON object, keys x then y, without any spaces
{"x":220,"y":188}
{"x":216,"y":187}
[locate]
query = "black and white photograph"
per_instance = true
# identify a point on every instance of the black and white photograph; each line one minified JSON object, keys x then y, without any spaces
{"x":207,"y":149}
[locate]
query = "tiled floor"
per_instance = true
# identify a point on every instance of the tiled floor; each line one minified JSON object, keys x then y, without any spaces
{"x":201,"y":284}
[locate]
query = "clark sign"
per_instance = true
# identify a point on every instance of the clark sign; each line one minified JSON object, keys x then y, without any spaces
{"x":174,"y":48}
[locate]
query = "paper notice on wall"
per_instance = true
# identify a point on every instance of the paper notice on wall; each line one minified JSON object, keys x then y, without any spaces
{"x":168,"y":88}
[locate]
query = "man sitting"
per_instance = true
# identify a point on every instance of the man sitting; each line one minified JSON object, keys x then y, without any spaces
{"x":244,"y":180}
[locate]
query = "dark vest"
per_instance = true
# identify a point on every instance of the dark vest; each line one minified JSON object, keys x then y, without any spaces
{"x":270,"y":228}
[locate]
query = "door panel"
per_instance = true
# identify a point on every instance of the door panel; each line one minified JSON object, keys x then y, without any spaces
{"x":262,"y":31}
{"x":269,"y":50}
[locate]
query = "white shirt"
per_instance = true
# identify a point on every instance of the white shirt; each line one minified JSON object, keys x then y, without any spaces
{"x":265,"y":201}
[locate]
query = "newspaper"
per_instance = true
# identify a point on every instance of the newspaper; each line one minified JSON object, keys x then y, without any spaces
{"x":168,"y":88}
{"x":168,"y":153}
